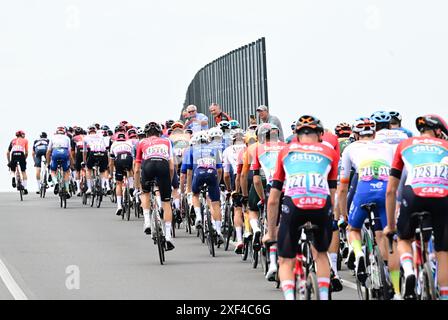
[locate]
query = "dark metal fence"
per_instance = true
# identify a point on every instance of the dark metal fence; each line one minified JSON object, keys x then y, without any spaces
{"x":236,"y":81}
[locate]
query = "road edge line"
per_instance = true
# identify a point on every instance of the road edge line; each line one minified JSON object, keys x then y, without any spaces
{"x":10,"y":283}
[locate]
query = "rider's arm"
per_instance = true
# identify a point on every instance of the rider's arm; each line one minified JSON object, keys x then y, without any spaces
{"x":392,"y":187}
{"x":344,"y":176}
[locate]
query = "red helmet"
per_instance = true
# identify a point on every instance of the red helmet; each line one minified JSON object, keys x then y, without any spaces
{"x":20,"y":133}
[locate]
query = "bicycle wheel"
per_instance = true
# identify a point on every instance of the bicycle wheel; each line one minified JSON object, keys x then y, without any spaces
{"x":21,"y":193}
{"x":247,"y":245}
{"x":255,"y":255}
{"x":128,"y":205}
{"x":99,"y":199}
{"x":312,"y":287}
{"x":210,"y":234}
{"x":386,"y":291}
{"x":428,"y":290}
{"x":159,"y":238}
{"x":364,"y":290}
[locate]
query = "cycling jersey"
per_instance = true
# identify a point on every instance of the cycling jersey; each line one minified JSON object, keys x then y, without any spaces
{"x":180,"y":141}
{"x":95,"y":143}
{"x":121,"y":152}
{"x":41,"y":145}
{"x":231,"y":156}
{"x":18,"y":145}
{"x":265,"y":157}
{"x":343,"y":143}
{"x":328,"y":139}
{"x":59,"y":141}
{"x":120,"y":148}
{"x":426,"y":161}
{"x":134,"y":143}
{"x":309,"y":170}
{"x":204,"y":156}
{"x":392,"y":137}
{"x":154,"y":148}
{"x":406,"y":131}
{"x":78,"y":143}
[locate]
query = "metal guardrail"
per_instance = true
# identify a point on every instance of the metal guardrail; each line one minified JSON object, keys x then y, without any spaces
{"x":236,"y":81}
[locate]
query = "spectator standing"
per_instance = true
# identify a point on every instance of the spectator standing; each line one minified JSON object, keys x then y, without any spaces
{"x":196,"y":121}
{"x":266,"y":117}
{"x":218,"y":114}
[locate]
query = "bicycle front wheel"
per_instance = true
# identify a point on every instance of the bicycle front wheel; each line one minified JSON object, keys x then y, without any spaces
{"x":312,"y":287}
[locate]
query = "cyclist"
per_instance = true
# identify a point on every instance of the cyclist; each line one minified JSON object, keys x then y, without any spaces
{"x":141,"y":134}
{"x":230,"y":164}
{"x":59,"y":150}
{"x":383,"y":129}
{"x":18,"y":153}
{"x":78,"y":150}
{"x":309,"y":170}
{"x":395,"y":123}
{"x":426,"y":189}
{"x":264,"y":162}
{"x":343,"y":131}
{"x":293,"y":135}
{"x":205,"y":167}
{"x":372,"y":162}
{"x":225,"y":127}
{"x":40,"y":147}
{"x":121,"y":159}
{"x":155,"y":161}
{"x":95,"y":152}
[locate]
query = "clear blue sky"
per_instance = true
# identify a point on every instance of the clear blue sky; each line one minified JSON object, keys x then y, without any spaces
{"x":80,"y":61}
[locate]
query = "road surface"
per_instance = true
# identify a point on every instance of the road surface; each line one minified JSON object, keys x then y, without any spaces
{"x":88,"y":253}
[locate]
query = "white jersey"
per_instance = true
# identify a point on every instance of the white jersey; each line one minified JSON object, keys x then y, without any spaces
{"x":121,"y":147}
{"x":230,"y":157}
{"x":59,"y":141}
{"x":392,"y":137}
{"x":370,"y":159}
{"x":95,"y":143}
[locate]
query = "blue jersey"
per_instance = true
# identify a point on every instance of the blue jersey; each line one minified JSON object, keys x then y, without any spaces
{"x":185,"y":161}
{"x":204,"y":156}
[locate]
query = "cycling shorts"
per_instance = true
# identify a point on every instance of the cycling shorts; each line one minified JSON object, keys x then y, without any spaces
{"x":254,"y":198}
{"x":20,"y":158}
{"x":437,"y":207}
{"x":38,"y":157}
{"x":123,"y":164}
{"x":62,"y":155}
{"x":78,"y":160}
{"x":210,"y":178}
{"x":292,"y":218}
{"x":99,"y":158}
{"x":175,"y":182}
{"x":368,"y":192}
{"x":158,"y":170}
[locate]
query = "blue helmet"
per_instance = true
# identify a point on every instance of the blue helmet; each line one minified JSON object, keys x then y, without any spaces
{"x":381,"y":117}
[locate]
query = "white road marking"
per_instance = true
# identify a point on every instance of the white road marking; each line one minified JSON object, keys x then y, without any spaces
{"x":11,"y":284}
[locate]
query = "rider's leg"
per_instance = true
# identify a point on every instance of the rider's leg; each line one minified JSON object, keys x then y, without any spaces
{"x":323,"y":274}
{"x":217,"y":215}
{"x":442,"y":273}
{"x":119,"y":190}
{"x":286,"y":276}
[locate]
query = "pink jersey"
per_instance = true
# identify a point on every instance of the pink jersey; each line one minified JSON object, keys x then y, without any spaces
{"x":18,"y":145}
{"x":154,"y":147}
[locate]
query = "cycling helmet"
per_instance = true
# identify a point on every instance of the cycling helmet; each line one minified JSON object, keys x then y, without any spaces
{"x":215,"y":133}
{"x":188,"y":131}
{"x":293,"y":126}
{"x":253,"y":127}
{"x":97,"y":126}
{"x":169,"y":123}
{"x":310,"y":122}
{"x":70,"y":129}
{"x":123,"y":123}
{"x":343,"y":129}
{"x":141,"y":132}
{"x":110,"y":133}
{"x":431,"y":121}
{"x":128,"y":126}
{"x":364,"y":127}
{"x":78,"y":131}
{"x":60,"y":130}
{"x":153,"y":127}
{"x":250,"y":136}
{"x":234,"y":124}
{"x":396,"y":115}
{"x":132,"y":133}
{"x":177,"y":125}
{"x":381,"y":117}
{"x":202,"y":137}
{"x":120,"y":128}
{"x":224,"y":125}
{"x":237,"y":134}
{"x":121,"y":136}
{"x":91,"y":129}
{"x":105,"y":128}
{"x":20,"y":133}
{"x":43,"y":135}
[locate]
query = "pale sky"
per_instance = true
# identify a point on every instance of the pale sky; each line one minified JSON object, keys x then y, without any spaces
{"x":67,"y":62}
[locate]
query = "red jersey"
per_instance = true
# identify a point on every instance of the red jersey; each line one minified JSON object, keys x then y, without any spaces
{"x":154,"y":147}
{"x":329,"y":139}
{"x":426,"y":161}
{"x":306,"y":168}
{"x":18,"y":145}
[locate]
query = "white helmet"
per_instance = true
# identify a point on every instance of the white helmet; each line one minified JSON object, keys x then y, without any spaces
{"x":141,"y":132}
{"x":364,"y":126}
{"x":237,"y":133}
{"x":202,"y":137}
{"x":215,"y":133}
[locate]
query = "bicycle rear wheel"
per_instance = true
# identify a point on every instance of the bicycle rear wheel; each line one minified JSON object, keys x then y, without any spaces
{"x":428,"y":290}
{"x":159,"y":238}
{"x":312,"y":287}
{"x":210,"y":234}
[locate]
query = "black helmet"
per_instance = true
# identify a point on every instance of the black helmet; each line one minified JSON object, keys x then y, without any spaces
{"x":97,"y":126}
{"x":78,"y":130}
{"x":153,"y":127}
{"x":169,"y":123}
{"x":105,"y":128}
{"x":310,"y":122}
{"x":43,"y":135}
{"x":91,"y":128}
{"x":431,"y":121}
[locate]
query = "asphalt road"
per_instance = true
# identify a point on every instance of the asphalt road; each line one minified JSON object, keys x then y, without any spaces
{"x":89,"y":253}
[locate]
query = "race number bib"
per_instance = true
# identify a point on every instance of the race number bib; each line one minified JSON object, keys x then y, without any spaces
{"x":206,"y":163}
